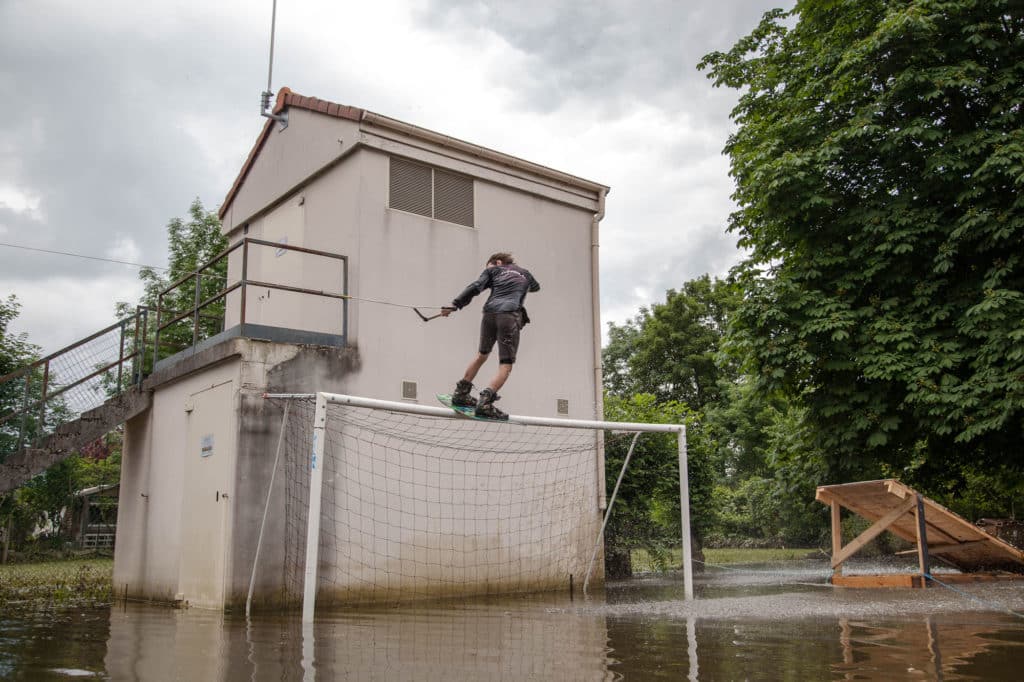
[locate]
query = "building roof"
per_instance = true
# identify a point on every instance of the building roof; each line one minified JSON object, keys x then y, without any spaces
{"x":86,"y":492}
{"x":286,"y":98}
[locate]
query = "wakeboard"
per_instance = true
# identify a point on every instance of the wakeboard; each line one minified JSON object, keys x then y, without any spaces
{"x":468,"y":412}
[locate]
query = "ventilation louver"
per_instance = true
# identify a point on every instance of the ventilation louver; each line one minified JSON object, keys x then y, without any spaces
{"x":409,"y":390}
{"x":431,"y":192}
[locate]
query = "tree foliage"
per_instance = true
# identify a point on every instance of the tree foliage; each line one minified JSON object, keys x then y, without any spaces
{"x":191,"y":243}
{"x":879,"y":162}
{"x":15,"y":349}
{"x":665,"y":362}
{"x":39,"y":513}
{"x":747,"y":462}
{"x":669,"y":351}
{"x":646,"y":513}
{"x":47,"y":497}
{"x":15,"y":352}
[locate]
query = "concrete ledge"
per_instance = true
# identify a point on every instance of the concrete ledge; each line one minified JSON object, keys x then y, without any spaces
{"x":280,"y":364}
{"x":258,"y":332}
{"x":184,"y":365}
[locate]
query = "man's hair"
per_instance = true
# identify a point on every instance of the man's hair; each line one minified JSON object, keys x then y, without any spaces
{"x":505,"y":258}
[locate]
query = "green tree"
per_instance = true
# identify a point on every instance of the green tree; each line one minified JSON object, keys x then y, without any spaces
{"x":191,"y":243}
{"x":16,"y":352}
{"x":673,"y":351}
{"x":646,"y":513}
{"x":878,"y":161}
{"x":670,"y":350}
{"x":758,"y":470}
{"x":47,"y":500}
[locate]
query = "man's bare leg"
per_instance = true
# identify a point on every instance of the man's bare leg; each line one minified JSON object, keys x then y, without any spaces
{"x":501,"y":377}
{"x":475,"y":366}
{"x":485,"y":405}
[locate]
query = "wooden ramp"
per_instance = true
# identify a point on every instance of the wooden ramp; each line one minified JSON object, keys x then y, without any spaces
{"x":935,"y":531}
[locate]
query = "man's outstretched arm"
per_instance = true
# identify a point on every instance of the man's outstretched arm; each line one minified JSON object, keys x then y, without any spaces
{"x":471,"y":291}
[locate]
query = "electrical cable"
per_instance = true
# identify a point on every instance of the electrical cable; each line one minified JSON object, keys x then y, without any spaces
{"x":155,"y":267}
{"x":81,"y":255}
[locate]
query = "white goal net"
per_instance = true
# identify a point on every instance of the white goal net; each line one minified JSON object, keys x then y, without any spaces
{"x":392,"y":502}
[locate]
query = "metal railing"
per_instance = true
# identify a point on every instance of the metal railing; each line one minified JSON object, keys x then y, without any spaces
{"x":207,"y":288}
{"x":37,"y":398}
{"x":61,"y":386}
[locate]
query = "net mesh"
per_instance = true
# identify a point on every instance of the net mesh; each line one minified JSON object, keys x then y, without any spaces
{"x":79,"y":378}
{"x":68,"y":369}
{"x":419,"y":507}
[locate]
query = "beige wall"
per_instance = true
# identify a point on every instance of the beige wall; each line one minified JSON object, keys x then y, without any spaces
{"x":266,"y":305}
{"x":409,"y":259}
{"x":178,"y":537}
{"x":162,"y":522}
{"x":288,"y":157}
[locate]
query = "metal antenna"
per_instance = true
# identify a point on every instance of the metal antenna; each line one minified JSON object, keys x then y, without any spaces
{"x":268,"y":93}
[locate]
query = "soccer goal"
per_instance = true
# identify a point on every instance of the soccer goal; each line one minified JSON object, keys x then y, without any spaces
{"x":392,"y":501}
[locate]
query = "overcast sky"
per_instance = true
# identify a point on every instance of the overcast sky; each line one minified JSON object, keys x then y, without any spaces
{"x":119,"y":113}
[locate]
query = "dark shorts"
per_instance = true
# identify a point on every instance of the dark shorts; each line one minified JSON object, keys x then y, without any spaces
{"x":502,"y":328}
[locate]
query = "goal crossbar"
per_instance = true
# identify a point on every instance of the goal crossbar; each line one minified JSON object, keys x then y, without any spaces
{"x":447,"y":413}
{"x":317,"y":458}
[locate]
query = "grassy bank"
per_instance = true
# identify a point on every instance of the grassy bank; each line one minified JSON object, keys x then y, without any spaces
{"x":76,"y":582}
{"x":642,"y":561}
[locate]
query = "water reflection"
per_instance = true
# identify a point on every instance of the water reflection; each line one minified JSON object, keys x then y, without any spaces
{"x":497,"y":640}
{"x":691,"y":649}
{"x":643,"y":631}
{"x":553,"y":640}
{"x":814,"y":649}
{"x":931,"y":648}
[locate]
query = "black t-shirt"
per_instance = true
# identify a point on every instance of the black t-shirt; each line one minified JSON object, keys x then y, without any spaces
{"x":508,"y":284}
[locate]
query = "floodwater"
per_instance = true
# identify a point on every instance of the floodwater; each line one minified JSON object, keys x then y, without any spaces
{"x":763,"y":624}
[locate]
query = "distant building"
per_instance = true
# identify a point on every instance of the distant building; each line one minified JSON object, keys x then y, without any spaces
{"x":94,"y":517}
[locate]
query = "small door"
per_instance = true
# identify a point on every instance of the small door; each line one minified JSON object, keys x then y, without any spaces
{"x":208,"y":493}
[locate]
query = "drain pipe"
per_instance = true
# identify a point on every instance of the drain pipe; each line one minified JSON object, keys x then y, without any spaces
{"x":595,"y":291}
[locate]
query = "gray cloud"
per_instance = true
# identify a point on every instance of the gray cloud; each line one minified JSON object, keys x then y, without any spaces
{"x":95,"y":131}
{"x":656,"y":267}
{"x":618,"y":56}
{"x":615,"y":53}
{"x":119,"y":114}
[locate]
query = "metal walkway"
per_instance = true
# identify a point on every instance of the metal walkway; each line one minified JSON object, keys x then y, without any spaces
{"x":64,"y":401}
{"x":70,"y":398}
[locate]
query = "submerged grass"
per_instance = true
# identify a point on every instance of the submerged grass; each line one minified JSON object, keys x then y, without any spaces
{"x":78,"y":582}
{"x":644,"y":562}
{"x":757,"y":556}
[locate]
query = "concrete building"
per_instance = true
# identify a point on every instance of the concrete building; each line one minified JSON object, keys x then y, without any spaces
{"x":405,"y":216}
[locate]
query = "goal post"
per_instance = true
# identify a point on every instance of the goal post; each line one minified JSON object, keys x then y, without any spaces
{"x":421,"y":489}
{"x":316,"y":486}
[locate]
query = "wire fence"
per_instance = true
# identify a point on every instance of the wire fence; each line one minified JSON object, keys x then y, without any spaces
{"x":60,"y":387}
